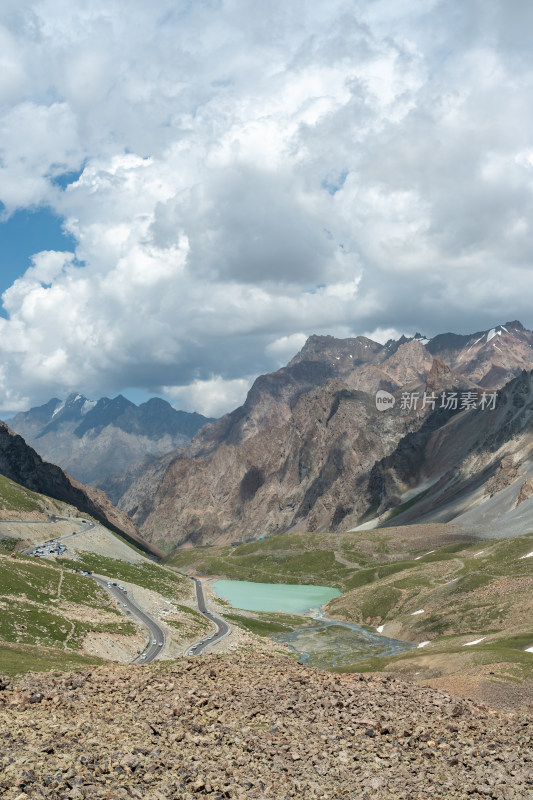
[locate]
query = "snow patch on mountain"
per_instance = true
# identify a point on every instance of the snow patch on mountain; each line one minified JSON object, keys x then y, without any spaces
{"x":87,"y":406}
{"x":60,"y":407}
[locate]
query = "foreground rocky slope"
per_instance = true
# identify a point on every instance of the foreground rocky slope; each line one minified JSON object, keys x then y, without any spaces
{"x":20,"y":463}
{"x":224,"y":727}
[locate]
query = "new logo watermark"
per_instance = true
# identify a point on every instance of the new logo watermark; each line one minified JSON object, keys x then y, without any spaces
{"x":384,"y":400}
{"x":457,"y":401}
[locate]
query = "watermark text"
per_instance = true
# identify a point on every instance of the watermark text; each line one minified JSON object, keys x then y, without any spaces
{"x":454,"y":401}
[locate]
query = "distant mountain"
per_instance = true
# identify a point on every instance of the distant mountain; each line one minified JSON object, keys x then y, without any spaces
{"x":20,"y":463}
{"x":92,"y":440}
{"x":301,"y":453}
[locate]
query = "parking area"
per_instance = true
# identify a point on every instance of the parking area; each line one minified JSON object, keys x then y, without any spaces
{"x":52,"y":547}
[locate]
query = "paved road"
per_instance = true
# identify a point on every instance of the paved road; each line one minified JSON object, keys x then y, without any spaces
{"x":156,"y":633}
{"x":222,"y":627}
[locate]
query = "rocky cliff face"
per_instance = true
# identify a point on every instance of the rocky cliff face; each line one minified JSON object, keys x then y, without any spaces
{"x":474,"y":466}
{"x":300,"y":453}
{"x":22,"y":464}
{"x":304,"y":473}
{"x":93,"y":440}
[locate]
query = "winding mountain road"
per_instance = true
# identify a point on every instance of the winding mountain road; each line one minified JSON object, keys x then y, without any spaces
{"x":156,"y":633}
{"x":222,"y":626}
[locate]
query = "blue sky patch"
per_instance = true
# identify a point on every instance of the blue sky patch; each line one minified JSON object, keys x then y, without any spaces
{"x":333,"y":183}
{"x":24,"y":234}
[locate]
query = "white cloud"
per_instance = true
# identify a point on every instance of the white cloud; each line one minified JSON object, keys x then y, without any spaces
{"x":37,"y":142}
{"x":284,"y":348}
{"x":249,"y":174}
{"x":13,"y":78}
{"x":212,"y":397}
{"x":383,"y":335}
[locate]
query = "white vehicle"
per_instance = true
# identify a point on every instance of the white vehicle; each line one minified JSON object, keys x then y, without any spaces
{"x":125,"y":605}
{"x":160,"y":644}
{"x":190,"y":653}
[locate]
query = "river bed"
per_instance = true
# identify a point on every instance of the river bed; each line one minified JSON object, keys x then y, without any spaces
{"x":328,"y":643}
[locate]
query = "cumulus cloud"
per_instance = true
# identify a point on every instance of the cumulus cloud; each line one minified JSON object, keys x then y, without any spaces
{"x":285,"y":347}
{"x":383,"y":335}
{"x":244,"y":175}
{"x":211,"y":397}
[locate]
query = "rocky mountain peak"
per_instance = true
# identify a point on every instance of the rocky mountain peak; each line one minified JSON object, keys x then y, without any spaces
{"x":442,"y":377}
{"x":348,"y":352}
{"x":515,"y":324}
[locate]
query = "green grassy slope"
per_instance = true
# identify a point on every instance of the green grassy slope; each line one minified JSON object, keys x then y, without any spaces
{"x":45,"y":605}
{"x":340,"y":560}
{"x":18,"y":658}
{"x":148,"y":575}
{"x":46,"y":610}
{"x":16,"y":499}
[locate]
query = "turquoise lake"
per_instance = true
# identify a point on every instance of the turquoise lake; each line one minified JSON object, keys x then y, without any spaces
{"x":292,"y":599}
{"x":320,"y":642}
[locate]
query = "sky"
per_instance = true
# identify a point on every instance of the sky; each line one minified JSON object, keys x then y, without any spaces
{"x":190,"y":189}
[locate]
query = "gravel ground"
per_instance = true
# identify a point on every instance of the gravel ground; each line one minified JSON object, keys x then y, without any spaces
{"x":253,"y":727}
{"x":102,"y":542}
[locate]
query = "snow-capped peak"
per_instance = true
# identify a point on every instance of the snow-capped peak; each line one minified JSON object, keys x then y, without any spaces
{"x":422,"y":339}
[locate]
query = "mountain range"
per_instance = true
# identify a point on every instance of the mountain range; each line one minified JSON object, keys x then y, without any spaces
{"x":309,"y":450}
{"x":92,"y":439}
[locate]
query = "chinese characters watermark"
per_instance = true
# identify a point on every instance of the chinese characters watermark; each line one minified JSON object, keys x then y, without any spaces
{"x":454,"y":401}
